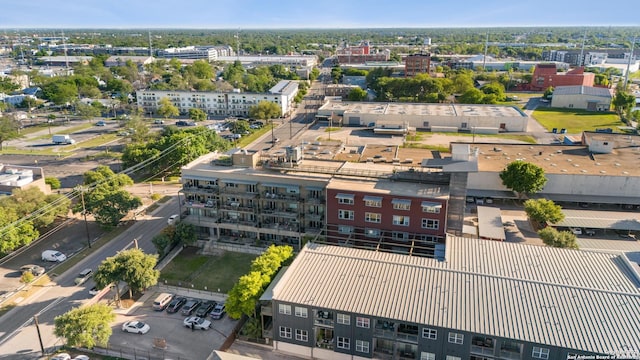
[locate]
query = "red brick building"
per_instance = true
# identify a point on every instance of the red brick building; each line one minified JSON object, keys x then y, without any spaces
{"x":545,"y":75}
{"x":397,"y":216}
{"x":417,"y":64}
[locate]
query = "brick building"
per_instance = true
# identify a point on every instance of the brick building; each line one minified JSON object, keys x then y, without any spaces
{"x":545,"y":75}
{"x":417,"y":64}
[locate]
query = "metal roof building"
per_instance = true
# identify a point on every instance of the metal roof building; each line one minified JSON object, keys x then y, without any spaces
{"x":490,"y":223}
{"x":568,"y":300}
{"x":614,"y":220}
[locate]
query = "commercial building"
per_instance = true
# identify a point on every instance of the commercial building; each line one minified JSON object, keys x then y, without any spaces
{"x":545,"y":76}
{"x":361,"y":54}
{"x":433,"y":117}
{"x":487,"y":300}
{"x":220,"y":103}
{"x":64,"y":60}
{"x":121,"y":60}
{"x":300,"y":64}
{"x":209,"y":53}
{"x":21,"y":177}
{"x":417,"y":64}
{"x":582,"y":97}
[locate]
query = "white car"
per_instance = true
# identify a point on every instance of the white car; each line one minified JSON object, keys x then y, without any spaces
{"x":172,"y":219}
{"x":136,"y":327}
{"x":197,"y":323}
{"x":61,"y":356}
{"x":53,"y":255}
{"x":576,"y":231}
{"x":81,"y":357}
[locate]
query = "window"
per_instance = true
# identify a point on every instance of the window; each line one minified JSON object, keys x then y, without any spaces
{"x":399,"y":235}
{"x":344,"y":229}
{"x":302,"y":335}
{"x":540,"y":353}
{"x":449,"y":357}
{"x":431,"y":334}
{"x":372,"y":217}
{"x":374,"y":233}
{"x":456,"y":338}
{"x":400,"y":220}
{"x":362,"y":322}
{"x":252,"y":188}
{"x":343,"y":319}
{"x":427,"y":356}
{"x":400,"y":204}
{"x":285,"y":332}
{"x":345,"y":214}
{"x":344,"y":343}
{"x":362,"y":346}
{"x":431,"y":207}
{"x":430,"y":224}
{"x":301,"y":312}
{"x":372,"y":202}
{"x":284,"y":309}
{"x":232,"y":185}
{"x":345,"y":199}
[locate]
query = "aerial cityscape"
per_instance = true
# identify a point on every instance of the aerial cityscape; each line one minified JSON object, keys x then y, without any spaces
{"x":242,"y":180}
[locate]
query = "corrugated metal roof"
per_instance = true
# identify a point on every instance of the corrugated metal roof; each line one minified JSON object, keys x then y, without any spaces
{"x":615,"y":220}
{"x":566,"y":298}
{"x":582,"y":90}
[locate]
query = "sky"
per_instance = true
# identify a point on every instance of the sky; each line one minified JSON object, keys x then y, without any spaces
{"x":260,"y":14}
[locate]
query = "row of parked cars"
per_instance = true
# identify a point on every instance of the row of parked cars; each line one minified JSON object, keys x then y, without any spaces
{"x":196,"y":310}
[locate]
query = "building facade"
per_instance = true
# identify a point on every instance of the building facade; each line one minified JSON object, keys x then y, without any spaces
{"x":209,"y":53}
{"x":545,"y":76}
{"x":220,"y":103}
{"x":488,"y":300}
{"x":582,"y":97}
{"x":417,"y":64}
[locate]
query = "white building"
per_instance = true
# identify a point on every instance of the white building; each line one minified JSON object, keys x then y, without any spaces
{"x":209,"y":53}
{"x":15,"y":100}
{"x":221,"y":103}
{"x":582,"y":97}
{"x":434,"y":117}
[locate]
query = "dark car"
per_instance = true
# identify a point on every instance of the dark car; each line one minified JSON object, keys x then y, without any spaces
{"x":218,"y":312}
{"x":190,"y":306}
{"x":175,"y":305}
{"x":182,"y":123}
{"x":205,"y":308}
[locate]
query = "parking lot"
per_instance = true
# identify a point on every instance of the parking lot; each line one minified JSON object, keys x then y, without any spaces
{"x":168,"y":329}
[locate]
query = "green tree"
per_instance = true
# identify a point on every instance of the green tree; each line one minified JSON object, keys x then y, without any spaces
{"x":25,"y":202}
{"x":138,"y":269}
{"x":548,"y":92}
{"x":265,"y":110}
{"x":314,"y":74}
{"x":54,"y":183}
{"x":106,"y":199}
{"x":9,"y":130}
{"x":185,"y":233}
{"x":15,"y":233}
{"x":27,"y":277}
{"x":555,"y":238}
{"x":543,"y":211}
{"x":523,"y":177}
{"x":357,"y":94}
{"x":623,"y":102}
{"x":86,"y":326}
{"x":60,"y":92}
{"x":472,"y":96}
{"x":201,"y":69}
{"x":494,"y":88}
{"x":161,"y":242}
{"x":197,"y":114}
{"x":239,"y":127}
{"x":167,"y":109}
{"x":139,"y":129}
{"x":87,"y":111}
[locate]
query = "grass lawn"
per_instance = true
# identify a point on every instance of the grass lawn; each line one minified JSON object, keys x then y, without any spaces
{"x":576,"y":121}
{"x":213,"y":272}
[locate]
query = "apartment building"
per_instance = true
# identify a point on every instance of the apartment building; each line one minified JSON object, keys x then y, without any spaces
{"x":417,"y":64}
{"x":252,"y":198}
{"x":220,"y":103}
{"x":487,"y":300}
{"x":209,"y":53}
{"x":545,"y":75}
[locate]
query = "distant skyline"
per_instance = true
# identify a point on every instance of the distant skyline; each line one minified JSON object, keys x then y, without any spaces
{"x":257,"y":14}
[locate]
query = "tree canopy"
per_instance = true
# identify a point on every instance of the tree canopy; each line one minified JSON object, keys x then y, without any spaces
{"x":86,"y":326}
{"x":562,"y":239}
{"x":357,"y":94}
{"x":523,"y":177}
{"x":167,"y":109}
{"x":9,"y":129}
{"x":265,"y":110}
{"x":132,"y":266}
{"x":543,"y":211}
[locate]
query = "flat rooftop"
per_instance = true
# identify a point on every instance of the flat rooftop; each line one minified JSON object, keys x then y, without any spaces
{"x":420,"y":109}
{"x":397,"y":188}
{"x":559,"y":159}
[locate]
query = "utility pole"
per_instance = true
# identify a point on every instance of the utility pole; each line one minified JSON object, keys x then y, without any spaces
{"x":35,"y":321}
{"x":626,"y":74}
{"x":486,"y":49}
{"x":84,"y":213}
{"x":584,"y":39}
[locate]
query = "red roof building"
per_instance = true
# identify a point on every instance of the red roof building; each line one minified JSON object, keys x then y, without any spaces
{"x":546,"y":75}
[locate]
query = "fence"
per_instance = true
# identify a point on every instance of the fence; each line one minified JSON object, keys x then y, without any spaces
{"x":124,"y":352}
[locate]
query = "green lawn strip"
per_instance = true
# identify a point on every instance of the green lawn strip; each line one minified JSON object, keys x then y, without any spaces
{"x":524,"y":138}
{"x":576,"y":121}
{"x":210,"y":272}
{"x":9,"y":150}
{"x":331,"y":129}
{"x":95,"y":141}
{"x":246,"y":140}
{"x":441,"y":148}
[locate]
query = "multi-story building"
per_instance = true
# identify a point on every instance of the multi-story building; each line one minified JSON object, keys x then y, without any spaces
{"x":220,"y":103}
{"x":209,"y":53}
{"x":417,"y":64}
{"x":487,"y":300}
{"x":245,"y":198}
{"x":361,"y":54}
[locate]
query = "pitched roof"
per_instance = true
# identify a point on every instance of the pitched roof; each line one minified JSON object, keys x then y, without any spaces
{"x":582,"y":90}
{"x":568,"y":298}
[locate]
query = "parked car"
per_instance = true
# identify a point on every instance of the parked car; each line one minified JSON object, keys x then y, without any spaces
{"x":172,"y":219}
{"x":158,"y":121}
{"x":81,"y":357}
{"x":205,"y":308}
{"x":53,"y":255}
{"x":101,"y":123}
{"x":197,"y":323}
{"x":83,"y":276}
{"x":190,"y":306}
{"x":136,"y":327}
{"x":590,"y":232}
{"x":94,"y":291}
{"x":218,"y":311}
{"x":576,"y":231}
{"x":175,"y":305}
{"x":182,"y":123}
{"x":34,"y":269}
{"x":61,"y":356}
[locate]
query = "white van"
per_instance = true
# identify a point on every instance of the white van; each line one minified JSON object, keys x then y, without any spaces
{"x":53,"y":255}
{"x":172,"y":219}
{"x":161,"y":302}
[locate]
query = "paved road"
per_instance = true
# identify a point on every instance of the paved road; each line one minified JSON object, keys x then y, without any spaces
{"x":16,"y":328}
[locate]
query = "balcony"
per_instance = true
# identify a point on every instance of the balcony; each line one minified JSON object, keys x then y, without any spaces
{"x":266,"y":310}
{"x":200,"y":189}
